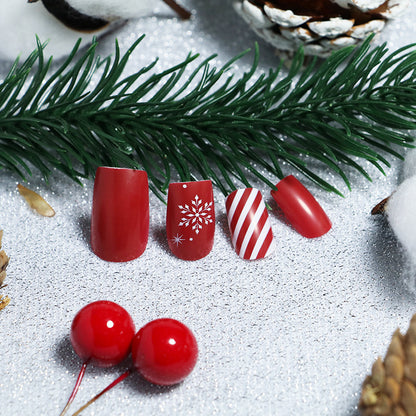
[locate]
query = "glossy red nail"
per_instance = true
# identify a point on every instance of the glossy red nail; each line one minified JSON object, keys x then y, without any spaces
{"x":249,"y":224}
{"x":120,"y":214}
{"x":300,"y":208}
{"x":190,"y":219}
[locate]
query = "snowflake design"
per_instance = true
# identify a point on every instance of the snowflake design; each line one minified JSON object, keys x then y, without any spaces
{"x":196,"y":215}
{"x":177,"y":239}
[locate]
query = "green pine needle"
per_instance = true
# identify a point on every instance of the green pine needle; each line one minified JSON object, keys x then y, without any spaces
{"x":358,"y":105}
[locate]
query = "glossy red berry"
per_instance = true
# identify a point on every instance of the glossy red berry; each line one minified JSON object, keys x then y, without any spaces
{"x":164,"y":351}
{"x":102,"y":332}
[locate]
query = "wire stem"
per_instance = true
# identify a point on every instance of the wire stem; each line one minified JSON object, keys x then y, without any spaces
{"x":76,"y":388}
{"x":109,"y":387}
{"x":183,"y":13}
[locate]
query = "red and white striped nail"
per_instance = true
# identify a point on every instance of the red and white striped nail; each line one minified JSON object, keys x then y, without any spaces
{"x":120,"y":214}
{"x":190,"y":219}
{"x":249,"y":224}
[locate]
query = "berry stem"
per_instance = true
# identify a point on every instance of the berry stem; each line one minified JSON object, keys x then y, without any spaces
{"x":76,"y":388}
{"x":109,"y":387}
{"x":183,"y":13}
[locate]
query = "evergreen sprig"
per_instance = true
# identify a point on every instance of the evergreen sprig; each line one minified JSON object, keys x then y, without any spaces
{"x":359,"y":104}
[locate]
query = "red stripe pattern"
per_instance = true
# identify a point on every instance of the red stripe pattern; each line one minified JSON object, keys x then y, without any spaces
{"x":249,"y":224}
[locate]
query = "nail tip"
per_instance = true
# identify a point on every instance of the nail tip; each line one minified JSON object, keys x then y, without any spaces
{"x":316,"y":232}
{"x":257,"y":257}
{"x":114,"y":253}
{"x":189,"y":256}
{"x":115,"y":259}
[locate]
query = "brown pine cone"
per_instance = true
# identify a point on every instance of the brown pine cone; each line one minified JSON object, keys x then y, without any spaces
{"x":390,"y":390}
{"x":4,"y":261}
{"x":321,"y":26}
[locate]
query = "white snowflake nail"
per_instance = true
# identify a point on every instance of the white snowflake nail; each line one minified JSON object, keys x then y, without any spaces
{"x":190,"y":220}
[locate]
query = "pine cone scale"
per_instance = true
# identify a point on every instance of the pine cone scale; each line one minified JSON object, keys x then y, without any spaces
{"x":408,"y":400}
{"x":394,"y":367}
{"x":321,"y":26}
{"x":392,"y":389}
{"x":317,"y":9}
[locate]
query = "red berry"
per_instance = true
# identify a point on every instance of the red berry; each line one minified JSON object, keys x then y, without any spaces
{"x":101,"y":333}
{"x":164,"y":351}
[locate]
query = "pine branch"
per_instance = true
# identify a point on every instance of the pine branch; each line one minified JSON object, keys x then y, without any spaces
{"x":358,"y":105}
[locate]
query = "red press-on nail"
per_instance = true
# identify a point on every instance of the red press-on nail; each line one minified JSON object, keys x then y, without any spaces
{"x":300,"y":208}
{"x":190,"y":219}
{"x":120,"y":214}
{"x":249,"y":224}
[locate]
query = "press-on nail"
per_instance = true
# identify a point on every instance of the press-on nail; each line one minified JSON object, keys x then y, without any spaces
{"x":190,"y":219}
{"x":120,"y":214}
{"x":249,"y":224}
{"x":300,"y":208}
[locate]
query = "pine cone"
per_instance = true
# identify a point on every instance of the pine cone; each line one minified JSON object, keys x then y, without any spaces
{"x":390,"y":390}
{"x":4,"y":261}
{"x":321,"y":26}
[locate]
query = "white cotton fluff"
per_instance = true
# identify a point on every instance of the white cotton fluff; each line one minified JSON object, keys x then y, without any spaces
{"x":21,"y":21}
{"x":401,"y":213}
{"x":112,"y":9}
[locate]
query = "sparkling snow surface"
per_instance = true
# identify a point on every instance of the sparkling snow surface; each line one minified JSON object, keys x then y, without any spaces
{"x":294,"y":334}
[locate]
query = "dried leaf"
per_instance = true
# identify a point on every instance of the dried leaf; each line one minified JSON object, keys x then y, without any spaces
{"x":36,"y":202}
{"x":4,"y":301}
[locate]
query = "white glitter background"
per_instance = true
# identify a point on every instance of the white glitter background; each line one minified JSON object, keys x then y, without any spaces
{"x":294,"y":334}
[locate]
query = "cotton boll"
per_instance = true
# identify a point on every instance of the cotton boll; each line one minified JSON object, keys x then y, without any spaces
{"x":62,"y":22}
{"x":113,"y":9}
{"x":21,"y":21}
{"x":409,"y":166}
{"x":401,"y":213}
